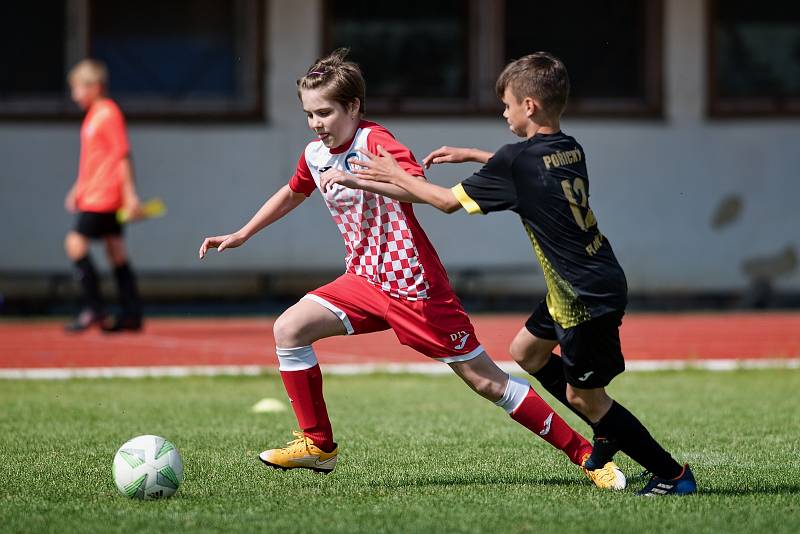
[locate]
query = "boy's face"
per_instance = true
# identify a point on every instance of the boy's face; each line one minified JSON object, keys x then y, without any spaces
{"x":85,"y":92}
{"x":331,"y":121}
{"x":517,"y":114}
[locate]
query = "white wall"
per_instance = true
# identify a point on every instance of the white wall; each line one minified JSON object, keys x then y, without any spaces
{"x":655,"y":184}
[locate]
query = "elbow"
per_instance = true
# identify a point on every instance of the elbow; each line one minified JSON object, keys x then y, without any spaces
{"x":450,"y":205}
{"x":450,"y":209}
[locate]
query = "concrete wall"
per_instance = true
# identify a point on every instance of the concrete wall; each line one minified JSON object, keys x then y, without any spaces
{"x":655,"y":184}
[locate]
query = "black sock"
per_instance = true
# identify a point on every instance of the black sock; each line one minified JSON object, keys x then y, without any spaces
{"x":128,"y":292}
{"x":633,"y":439}
{"x":90,"y":284}
{"x":551,"y":377}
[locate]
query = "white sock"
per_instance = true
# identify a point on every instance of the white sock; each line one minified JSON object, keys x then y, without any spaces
{"x":516,"y":391}
{"x":296,"y":359}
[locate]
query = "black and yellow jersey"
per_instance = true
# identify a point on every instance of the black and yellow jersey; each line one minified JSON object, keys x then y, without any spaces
{"x":544,"y":180}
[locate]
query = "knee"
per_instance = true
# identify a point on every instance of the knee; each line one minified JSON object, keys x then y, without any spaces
{"x":75,"y":246}
{"x":116,"y":253}
{"x":288,"y":331}
{"x":528,"y":357}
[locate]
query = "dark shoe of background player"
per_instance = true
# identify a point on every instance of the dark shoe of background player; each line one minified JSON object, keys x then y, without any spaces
{"x":123,"y":324}
{"x":85,"y":320}
{"x":685,"y":484}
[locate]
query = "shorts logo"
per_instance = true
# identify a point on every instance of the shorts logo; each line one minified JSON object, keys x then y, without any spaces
{"x":463,"y":336}
{"x":586,"y":376}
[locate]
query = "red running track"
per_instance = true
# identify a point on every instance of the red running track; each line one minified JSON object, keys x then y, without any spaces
{"x":221,"y":341}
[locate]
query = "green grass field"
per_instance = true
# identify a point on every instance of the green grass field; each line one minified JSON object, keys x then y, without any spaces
{"x":419,"y":454}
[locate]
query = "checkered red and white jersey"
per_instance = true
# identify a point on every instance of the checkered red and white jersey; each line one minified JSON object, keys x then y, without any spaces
{"x":385,"y":244}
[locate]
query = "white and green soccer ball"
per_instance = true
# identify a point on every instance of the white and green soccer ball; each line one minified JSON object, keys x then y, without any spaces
{"x":148,"y":467}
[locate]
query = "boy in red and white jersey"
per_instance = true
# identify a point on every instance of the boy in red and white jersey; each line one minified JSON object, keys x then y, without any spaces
{"x":394,"y":279}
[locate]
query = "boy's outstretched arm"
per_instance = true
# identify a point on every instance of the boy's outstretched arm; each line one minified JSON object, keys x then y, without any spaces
{"x":278,"y":205}
{"x":383,"y":168}
{"x":452,"y":154}
{"x":336,"y":176}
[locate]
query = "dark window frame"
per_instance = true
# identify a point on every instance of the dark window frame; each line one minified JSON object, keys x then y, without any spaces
{"x":79,"y":21}
{"x":744,"y":107}
{"x":485,"y":19}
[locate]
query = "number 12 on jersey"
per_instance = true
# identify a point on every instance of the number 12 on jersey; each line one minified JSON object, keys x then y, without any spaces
{"x":578,"y":200}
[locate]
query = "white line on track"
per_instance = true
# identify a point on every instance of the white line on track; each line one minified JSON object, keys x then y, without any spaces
{"x":430,"y":368}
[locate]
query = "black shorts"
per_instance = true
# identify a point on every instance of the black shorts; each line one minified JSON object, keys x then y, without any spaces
{"x":96,"y":225}
{"x":591,"y":351}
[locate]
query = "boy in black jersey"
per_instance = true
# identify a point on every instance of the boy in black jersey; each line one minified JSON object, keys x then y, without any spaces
{"x":544,"y":180}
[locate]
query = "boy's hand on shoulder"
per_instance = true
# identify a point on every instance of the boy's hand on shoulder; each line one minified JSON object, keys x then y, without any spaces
{"x":381,"y":167}
{"x":336,"y":176}
{"x":221,"y":242}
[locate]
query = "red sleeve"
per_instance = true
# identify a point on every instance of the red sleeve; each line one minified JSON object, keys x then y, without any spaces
{"x":401,"y":153}
{"x":302,"y":181}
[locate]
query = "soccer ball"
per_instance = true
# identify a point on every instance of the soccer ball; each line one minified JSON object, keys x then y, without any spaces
{"x":148,"y":467}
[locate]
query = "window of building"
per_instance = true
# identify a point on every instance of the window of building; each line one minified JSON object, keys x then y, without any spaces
{"x":444,"y":56}
{"x":32,"y":76}
{"x":754,"y":58}
{"x":182,"y":59}
{"x":414,"y":57}
{"x":612,"y":50}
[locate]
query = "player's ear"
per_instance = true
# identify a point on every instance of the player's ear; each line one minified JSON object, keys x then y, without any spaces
{"x":530,"y":106}
{"x":353,"y":108}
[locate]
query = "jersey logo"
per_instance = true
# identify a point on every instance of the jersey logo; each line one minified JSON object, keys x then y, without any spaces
{"x":323,"y":169}
{"x":347,"y":160}
{"x":586,"y":376}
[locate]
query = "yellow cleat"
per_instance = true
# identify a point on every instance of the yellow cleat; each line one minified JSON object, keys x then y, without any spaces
{"x":607,"y":477}
{"x":301,"y":453}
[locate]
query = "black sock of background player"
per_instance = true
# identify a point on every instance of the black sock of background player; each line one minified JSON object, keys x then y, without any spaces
{"x":633,"y":439}
{"x":90,"y":284}
{"x":128,"y":292}
{"x":551,"y":377}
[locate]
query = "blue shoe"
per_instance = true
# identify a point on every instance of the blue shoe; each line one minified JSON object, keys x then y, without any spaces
{"x":683,"y":485}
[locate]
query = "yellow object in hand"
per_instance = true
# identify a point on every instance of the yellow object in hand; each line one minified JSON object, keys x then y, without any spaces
{"x":150,"y":209}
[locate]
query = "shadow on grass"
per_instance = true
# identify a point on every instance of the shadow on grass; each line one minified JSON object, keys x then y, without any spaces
{"x":778,"y":489}
{"x":445,"y":481}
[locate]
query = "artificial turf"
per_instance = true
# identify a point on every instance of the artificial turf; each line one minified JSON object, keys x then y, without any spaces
{"x":418,"y":454}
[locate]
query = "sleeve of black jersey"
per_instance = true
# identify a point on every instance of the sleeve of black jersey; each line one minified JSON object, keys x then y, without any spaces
{"x":491,"y":188}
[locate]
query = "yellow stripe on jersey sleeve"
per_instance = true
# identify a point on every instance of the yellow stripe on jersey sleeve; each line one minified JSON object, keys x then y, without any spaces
{"x":466,"y":202}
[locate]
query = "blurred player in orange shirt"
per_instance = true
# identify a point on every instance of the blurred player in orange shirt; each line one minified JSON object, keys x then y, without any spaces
{"x":104,"y":185}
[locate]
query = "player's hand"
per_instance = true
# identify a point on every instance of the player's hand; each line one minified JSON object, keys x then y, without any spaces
{"x":69,"y":202}
{"x":381,"y":167}
{"x":447,"y":154}
{"x":336,"y":176}
{"x":221,"y":242}
{"x":133,"y":210}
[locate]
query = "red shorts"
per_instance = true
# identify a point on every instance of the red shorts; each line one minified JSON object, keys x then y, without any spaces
{"x":437,"y":327}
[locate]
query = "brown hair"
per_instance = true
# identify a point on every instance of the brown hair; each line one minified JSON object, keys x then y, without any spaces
{"x":540,"y":75}
{"x":342,"y":80}
{"x":90,"y":70}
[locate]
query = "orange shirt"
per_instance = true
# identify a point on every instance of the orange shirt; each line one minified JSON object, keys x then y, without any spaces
{"x":104,"y":145}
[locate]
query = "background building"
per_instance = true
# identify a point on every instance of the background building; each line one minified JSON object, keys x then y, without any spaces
{"x":688,"y":111}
